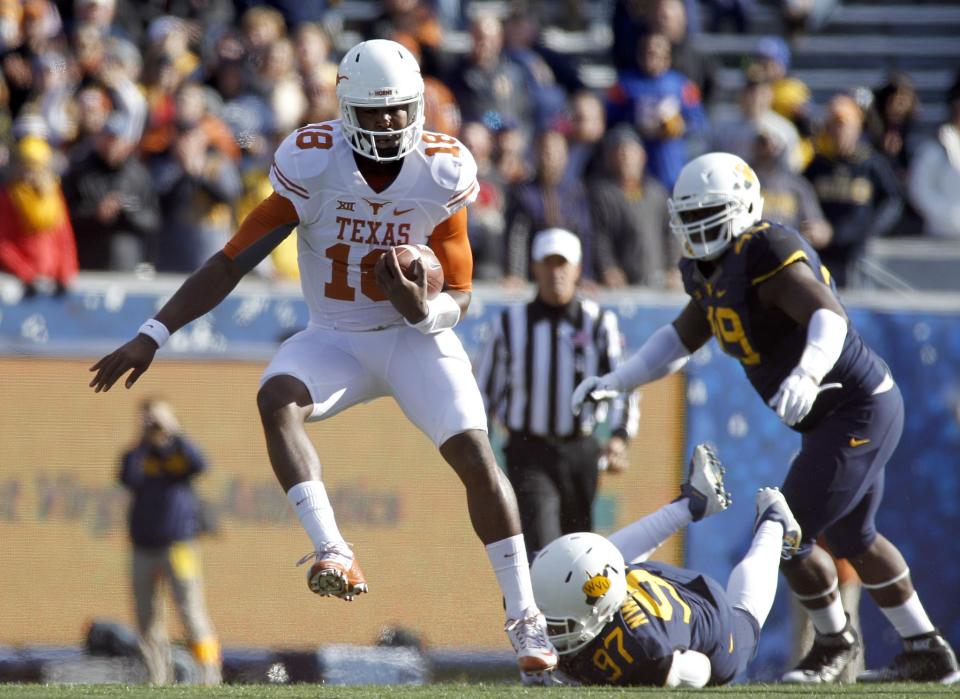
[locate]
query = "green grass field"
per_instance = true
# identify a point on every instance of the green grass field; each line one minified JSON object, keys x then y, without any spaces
{"x":461,"y":691}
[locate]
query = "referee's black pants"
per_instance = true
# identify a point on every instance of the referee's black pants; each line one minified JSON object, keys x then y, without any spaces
{"x":555,"y":481}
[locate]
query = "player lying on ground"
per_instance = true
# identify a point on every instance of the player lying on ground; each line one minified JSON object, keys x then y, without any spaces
{"x":356,"y":188}
{"x":649,"y":623}
{"x":761,"y":290}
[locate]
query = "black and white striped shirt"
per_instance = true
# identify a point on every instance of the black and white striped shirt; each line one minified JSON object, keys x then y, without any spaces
{"x":536,"y":357}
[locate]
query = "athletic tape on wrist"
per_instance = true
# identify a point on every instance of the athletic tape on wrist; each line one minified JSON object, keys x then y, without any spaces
{"x":442,"y":313}
{"x":156,"y":331}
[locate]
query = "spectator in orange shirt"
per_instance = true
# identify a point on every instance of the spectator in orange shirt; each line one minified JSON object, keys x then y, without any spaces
{"x":190,"y":110}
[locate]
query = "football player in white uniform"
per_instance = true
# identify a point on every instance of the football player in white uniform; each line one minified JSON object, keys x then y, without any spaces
{"x":355,"y":188}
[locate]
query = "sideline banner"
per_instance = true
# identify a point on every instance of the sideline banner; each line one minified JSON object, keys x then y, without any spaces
{"x":62,"y":541}
{"x":64,"y":552}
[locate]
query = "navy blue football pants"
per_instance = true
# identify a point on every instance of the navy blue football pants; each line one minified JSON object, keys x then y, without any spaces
{"x":835,"y":483}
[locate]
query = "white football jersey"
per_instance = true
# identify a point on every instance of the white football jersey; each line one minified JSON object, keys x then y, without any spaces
{"x":345,"y":226}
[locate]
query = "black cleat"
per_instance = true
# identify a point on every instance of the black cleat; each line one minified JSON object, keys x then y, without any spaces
{"x":828,"y":657}
{"x":925,"y":658}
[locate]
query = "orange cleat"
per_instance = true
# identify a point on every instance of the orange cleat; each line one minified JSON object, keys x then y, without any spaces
{"x":535,"y":653}
{"x":335,"y":572}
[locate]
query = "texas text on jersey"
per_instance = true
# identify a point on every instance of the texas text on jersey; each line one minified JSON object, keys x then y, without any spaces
{"x":667,"y":608}
{"x":769,"y":343}
{"x":345,"y":225}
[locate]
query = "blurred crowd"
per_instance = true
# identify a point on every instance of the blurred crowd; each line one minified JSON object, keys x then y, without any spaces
{"x":134,"y":136}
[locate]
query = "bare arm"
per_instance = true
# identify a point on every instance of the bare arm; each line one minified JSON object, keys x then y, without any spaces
{"x":263,"y":229}
{"x":799,"y":294}
{"x":451,"y":244}
{"x":199,"y":294}
{"x":692,"y":327}
{"x":409,"y":296}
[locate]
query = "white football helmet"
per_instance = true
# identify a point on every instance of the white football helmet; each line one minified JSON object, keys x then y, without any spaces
{"x":380,"y":73}
{"x":579,"y":582}
{"x":715,"y":199}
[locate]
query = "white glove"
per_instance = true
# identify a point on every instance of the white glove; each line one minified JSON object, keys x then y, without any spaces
{"x":795,"y":397}
{"x":596,"y":388}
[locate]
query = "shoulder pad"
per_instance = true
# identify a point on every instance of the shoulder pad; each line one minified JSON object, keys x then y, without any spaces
{"x":452,"y":168}
{"x":301,"y":159}
{"x":765,"y":233}
{"x":768,"y":248}
{"x":750,"y":237}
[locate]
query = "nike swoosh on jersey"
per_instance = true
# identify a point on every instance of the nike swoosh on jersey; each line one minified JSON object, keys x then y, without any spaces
{"x":401,"y":212}
{"x":855,"y":442}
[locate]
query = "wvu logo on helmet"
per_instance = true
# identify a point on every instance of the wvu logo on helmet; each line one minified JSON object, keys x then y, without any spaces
{"x":747,"y":173}
{"x":596,"y":587}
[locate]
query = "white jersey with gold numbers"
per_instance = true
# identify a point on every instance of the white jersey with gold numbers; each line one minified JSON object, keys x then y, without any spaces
{"x":345,"y":226}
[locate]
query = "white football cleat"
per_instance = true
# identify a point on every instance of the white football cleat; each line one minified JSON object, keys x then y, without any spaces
{"x":535,"y":652}
{"x":772,"y":506}
{"x":703,"y":484}
{"x":335,"y":572}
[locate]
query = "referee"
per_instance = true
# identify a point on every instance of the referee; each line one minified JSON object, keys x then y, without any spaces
{"x":537,"y":355}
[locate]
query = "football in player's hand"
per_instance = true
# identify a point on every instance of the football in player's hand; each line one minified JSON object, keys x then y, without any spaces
{"x":406,"y":254}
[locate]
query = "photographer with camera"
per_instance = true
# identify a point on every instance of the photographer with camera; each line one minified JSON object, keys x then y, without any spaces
{"x":165,"y":519}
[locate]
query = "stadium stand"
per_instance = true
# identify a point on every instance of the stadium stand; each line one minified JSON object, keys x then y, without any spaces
{"x":871,"y":38}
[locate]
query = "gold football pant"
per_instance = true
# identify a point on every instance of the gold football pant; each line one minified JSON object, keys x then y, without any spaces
{"x":178,"y":566}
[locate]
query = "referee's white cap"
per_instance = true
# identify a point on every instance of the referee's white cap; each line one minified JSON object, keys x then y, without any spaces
{"x":556,"y":241}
